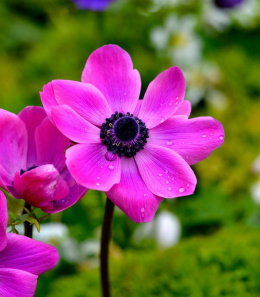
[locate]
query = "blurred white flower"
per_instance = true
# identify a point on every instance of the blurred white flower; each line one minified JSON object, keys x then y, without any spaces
{"x":165,"y":229}
{"x":255,"y":192}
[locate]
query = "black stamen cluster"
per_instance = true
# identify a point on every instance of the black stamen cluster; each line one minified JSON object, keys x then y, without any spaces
{"x":23,"y":171}
{"x":124,"y":134}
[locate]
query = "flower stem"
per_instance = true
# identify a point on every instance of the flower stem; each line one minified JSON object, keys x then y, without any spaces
{"x":28,"y":227}
{"x":105,"y":238}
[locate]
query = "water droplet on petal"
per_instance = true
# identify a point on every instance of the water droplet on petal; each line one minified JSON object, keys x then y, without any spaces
{"x":162,"y":120}
{"x":188,"y":185}
{"x":177,"y":98}
{"x":98,"y":177}
{"x":204,"y":135}
{"x":221,"y":137}
{"x":169,"y":188}
{"x":170,"y":104}
{"x":166,"y":171}
{"x":124,"y":94}
{"x":160,"y":174}
{"x":181,"y":190}
{"x":167,"y":182}
{"x":97,"y":184}
{"x":169,"y":142}
{"x":110,"y":156}
{"x":176,"y":102}
{"x":142,"y":209}
{"x":111,"y":167}
{"x":145,"y":195}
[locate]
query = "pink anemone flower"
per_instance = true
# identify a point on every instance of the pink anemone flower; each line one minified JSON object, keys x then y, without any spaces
{"x":22,"y":259}
{"x":32,"y":161}
{"x":137,"y":151}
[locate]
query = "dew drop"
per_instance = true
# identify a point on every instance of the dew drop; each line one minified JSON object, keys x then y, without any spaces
{"x":221,"y":137}
{"x":169,"y":142}
{"x":168,"y":176}
{"x":111,"y":167}
{"x":169,"y":188}
{"x":110,"y":156}
{"x":167,"y":182}
{"x":162,"y":120}
{"x":188,"y":185}
{"x":142,"y":209}
{"x":161,"y":104}
{"x":176,"y":102}
{"x":181,"y":190}
{"x":170,"y":104}
{"x":124,"y":94}
{"x":145,"y":195}
{"x":98,"y":177}
{"x":160,"y":174}
{"x":177,"y":98}
{"x":166,"y":171}
{"x":172,"y":178}
{"x":97,"y":184}
{"x":204,"y":135}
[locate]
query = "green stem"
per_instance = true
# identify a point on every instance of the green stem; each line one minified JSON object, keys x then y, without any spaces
{"x":105,"y":238}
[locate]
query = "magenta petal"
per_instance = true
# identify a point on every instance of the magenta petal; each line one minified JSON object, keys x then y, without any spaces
{"x":76,"y":193}
{"x":90,"y":168}
{"x":51,"y":145}
{"x":28,"y":254}
{"x":74,"y":126}
{"x":14,"y":283}
{"x":40,"y":186}
{"x":193,"y":139}
{"x":163,"y":97}
{"x":3,"y":220}
{"x":184,"y":109}
{"x":110,"y":69}
{"x":32,"y":116}
{"x":132,"y":196}
{"x":48,"y":98}
{"x":85,"y":99}
{"x":164,"y":172}
{"x":13,"y":145}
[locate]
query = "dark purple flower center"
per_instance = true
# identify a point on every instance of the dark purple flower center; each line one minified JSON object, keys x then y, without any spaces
{"x":124,"y":134}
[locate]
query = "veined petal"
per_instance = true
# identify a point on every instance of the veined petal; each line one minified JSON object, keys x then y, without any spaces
{"x":74,"y":126}
{"x":48,"y":98}
{"x":90,"y":168}
{"x":164,"y":172}
{"x":84,"y":99}
{"x":184,"y":109}
{"x":40,"y":186}
{"x":51,"y":145}
{"x":13,"y":145}
{"x":3,"y":220}
{"x":32,"y":116}
{"x":193,"y":139}
{"x":132,"y":196}
{"x":28,"y":254}
{"x":15,"y":282}
{"x":110,"y":69}
{"x":76,"y":193}
{"x":163,"y":97}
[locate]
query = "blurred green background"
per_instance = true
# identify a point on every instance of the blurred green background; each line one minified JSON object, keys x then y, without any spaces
{"x":218,"y":253}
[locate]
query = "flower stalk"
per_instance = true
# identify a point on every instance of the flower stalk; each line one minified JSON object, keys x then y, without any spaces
{"x":28,"y":227}
{"x":105,"y":238}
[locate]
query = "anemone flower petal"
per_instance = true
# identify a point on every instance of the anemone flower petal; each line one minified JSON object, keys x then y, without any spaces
{"x":51,"y":145}
{"x":13,"y":143}
{"x":193,"y":139}
{"x":110,"y":69}
{"x":3,"y":220}
{"x":28,"y":254}
{"x":32,"y":116}
{"x":163,"y":97}
{"x":164,"y":172}
{"x":41,"y":185}
{"x":83,"y":98}
{"x":76,"y":193}
{"x":184,"y":109}
{"x":74,"y":126}
{"x":92,"y":166}
{"x":15,"y":282}
{"x":228,"y":3}
{"x":48,"y":98}
{"x":132,"y":196}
